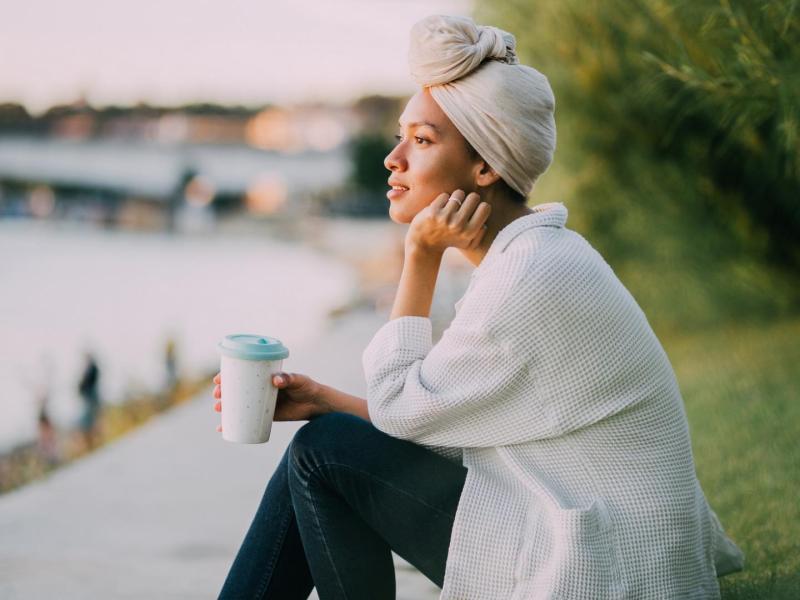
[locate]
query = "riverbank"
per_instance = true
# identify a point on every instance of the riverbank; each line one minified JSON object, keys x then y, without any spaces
{"x":69,"y":288}
{"x":160,"y":513}
{"x":37,"y":459}
{"x":160,"y":508}
{"x":371,"y":250}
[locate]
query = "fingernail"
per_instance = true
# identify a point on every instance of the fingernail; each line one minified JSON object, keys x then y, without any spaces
{"x":279,"y":380}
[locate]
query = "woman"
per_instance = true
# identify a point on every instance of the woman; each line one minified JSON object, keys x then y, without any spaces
{"x":540,"y":449}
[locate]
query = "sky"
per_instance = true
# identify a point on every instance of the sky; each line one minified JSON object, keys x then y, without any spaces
{"x":229,"y":51}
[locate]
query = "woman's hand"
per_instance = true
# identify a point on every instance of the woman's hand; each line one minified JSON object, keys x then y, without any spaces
{"x":450,"y":220}
{"x":299,"y":397}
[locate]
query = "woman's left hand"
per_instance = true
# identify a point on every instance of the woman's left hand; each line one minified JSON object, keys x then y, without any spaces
{"x":450,"y":220}
{"x":299,"y":397}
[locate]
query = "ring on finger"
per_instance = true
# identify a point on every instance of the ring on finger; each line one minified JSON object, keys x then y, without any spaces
{"x":457,"y":200}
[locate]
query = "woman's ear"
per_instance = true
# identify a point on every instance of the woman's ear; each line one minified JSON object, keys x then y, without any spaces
{"x":486,"y":175}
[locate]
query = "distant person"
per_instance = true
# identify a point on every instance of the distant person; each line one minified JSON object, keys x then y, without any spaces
{"x":177,"y":198}
{"x":47,"y":439}
{"x":170,"y":364}
{"x":540,"y":448}
{"x":89,"y":392}
{"x":170,"y":369}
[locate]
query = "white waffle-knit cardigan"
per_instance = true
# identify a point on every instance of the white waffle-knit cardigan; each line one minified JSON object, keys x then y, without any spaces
{"x":554,"y":389}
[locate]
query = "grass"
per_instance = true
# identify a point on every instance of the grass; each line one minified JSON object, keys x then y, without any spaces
{"x":741,"y":387}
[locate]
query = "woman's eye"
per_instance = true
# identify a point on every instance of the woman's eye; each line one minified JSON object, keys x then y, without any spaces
{"x":419,"y":140}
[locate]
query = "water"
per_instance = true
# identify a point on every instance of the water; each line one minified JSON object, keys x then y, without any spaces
{"x":65,"y":288}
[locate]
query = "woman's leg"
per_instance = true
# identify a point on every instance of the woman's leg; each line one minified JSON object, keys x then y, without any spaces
{"x":270,"y":563}
{"x":358,"y":494}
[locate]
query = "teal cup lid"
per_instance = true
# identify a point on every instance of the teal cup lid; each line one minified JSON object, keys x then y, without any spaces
{"x":252,"y":347}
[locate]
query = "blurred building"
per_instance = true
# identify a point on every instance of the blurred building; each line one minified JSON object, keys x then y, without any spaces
{"x":297,"y":129}
{"x":128,"y":166}
{"x":135,"y":184}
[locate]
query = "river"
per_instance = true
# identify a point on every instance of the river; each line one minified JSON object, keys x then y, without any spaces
{"x":66,"y":288}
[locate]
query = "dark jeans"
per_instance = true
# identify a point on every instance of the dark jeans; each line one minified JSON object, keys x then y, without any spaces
{"x":342,"y":498}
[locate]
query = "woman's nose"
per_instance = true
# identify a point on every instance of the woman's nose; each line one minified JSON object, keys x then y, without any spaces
{"x":394,"y":161}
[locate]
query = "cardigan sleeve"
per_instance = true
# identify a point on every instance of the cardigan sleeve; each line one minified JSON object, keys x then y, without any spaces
{"x":473,"y":388}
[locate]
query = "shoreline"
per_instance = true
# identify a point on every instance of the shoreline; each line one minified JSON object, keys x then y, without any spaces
{"x":27,"y":462}
{"x":372,"y":248}
{"x":35,"y":459}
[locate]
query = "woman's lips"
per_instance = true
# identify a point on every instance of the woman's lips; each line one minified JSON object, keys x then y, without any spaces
{"x":396,"y":192}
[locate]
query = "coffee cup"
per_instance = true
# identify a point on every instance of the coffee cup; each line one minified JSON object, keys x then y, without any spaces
{"x":247,"y":364}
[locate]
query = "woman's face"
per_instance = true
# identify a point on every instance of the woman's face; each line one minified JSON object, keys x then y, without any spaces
{"x":430,"y":157}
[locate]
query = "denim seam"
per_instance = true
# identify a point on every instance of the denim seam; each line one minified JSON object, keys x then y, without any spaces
{"x":316,"y":469}
{"x":264,"y":587}
{"x":325,"y":541}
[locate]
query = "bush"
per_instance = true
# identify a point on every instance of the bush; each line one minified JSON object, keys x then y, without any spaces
{"x":678,"y":144}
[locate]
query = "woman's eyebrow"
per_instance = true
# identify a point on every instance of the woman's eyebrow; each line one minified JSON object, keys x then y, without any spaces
{"x":419,"y":124}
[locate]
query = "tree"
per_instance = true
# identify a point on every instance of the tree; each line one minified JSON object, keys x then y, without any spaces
{"x":14,"y":118}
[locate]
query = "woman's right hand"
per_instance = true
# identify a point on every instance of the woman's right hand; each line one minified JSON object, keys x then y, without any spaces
{"x":299,"y":397}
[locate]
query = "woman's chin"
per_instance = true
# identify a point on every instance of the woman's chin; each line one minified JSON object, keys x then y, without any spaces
{"x":398,"y":215}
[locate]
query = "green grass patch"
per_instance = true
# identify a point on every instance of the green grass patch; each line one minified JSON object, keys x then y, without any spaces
{"x":741,"y":387}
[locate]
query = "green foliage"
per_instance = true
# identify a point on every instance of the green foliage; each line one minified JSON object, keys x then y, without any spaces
{"x":378,"y":116}
{"x":13,"y":116}
{"x":678,"y":144}
{"x":367,"y":153}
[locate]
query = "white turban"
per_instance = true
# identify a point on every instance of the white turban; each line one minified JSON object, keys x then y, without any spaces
{"x":502,"y":108}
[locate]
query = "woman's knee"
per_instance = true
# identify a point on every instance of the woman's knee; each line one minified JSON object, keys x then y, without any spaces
{"x":324,"y":429}
{"x":323,"y":439}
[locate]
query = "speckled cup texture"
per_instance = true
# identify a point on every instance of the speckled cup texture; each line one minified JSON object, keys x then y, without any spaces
{"x":248,"y":399}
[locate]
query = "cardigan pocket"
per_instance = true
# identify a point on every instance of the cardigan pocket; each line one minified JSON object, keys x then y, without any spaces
{"x":568,"y":553}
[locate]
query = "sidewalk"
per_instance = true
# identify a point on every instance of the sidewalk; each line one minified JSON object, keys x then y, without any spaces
{"x":161,"y":512}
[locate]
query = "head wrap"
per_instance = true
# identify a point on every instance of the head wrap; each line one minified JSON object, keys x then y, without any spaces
{"x":502,"y":108}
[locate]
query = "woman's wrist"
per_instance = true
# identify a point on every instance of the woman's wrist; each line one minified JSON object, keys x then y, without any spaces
{"x":331,"y":400}
{"x":322,"y":399}
{"x":421,"y":252}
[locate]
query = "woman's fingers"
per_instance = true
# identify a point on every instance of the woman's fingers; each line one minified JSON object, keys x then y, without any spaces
{"x":479,"y":216}
{"x":454,"y":203}
{"x":217,"y":392}
{"x":284,"y":380}
{"x":440,"y":200}
{"x":219,"y":428}
{"x":218,"y":407}
{"x":217,"y":379}
{"x":467,"y":208}
{"x":476,"y":241}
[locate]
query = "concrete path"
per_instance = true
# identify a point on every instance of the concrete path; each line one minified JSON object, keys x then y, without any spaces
{"x":161,"y":512}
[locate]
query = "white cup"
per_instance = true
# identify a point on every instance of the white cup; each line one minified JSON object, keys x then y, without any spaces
{"x":247,"y":364}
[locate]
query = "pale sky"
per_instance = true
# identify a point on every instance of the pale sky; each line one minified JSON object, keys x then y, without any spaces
{"x":230,"y":51}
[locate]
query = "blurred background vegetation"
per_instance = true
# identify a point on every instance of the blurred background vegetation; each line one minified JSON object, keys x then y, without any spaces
{"x":678,"y":144}
{"x":678,"y":157}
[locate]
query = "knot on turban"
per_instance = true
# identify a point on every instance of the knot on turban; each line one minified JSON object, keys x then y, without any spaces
{"x":502,"y":108}
{"x":447,"y":48}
